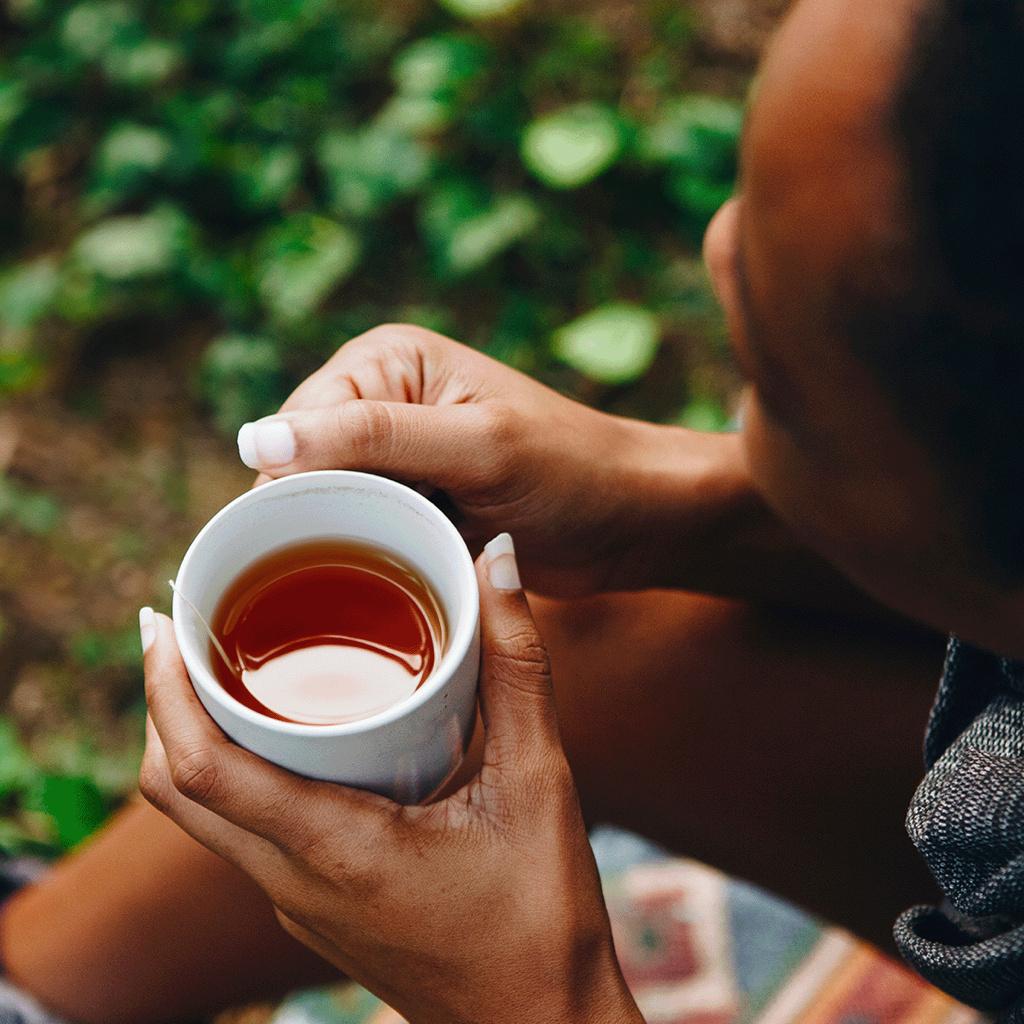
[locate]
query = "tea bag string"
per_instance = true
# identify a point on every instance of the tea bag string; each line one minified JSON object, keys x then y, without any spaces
{"x":233,"y":669}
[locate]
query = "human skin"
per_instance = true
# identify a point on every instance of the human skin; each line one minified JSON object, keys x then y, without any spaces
{"x":823,"y":444}
{"x":835,"y":464}
{"x":739,"y":696}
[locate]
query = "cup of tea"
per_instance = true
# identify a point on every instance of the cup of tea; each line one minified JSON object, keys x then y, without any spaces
{"x":345,"y":642}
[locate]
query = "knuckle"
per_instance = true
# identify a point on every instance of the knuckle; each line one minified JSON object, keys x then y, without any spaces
{"x":362,"y":425}
{"x":197,"y":775}
{"x":398,"y":331}
{"x":397,"y":337}
{"x":499,"y":434}
{"x":523,"y":659}
{"x":153,"y":782}
{"x":501,"y":425}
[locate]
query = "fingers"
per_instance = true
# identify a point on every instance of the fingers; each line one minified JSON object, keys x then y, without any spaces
{"x":208,"y":769}
{"x":251,"y":853}
{"x":451,"y":446}
{"x":516,"y":696}
{"x":388,"y":363}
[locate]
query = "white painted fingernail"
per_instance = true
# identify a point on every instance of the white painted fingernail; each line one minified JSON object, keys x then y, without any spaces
{"x":147,"y":628}
{"x":266,"y":443}
{"x":502,"y":570}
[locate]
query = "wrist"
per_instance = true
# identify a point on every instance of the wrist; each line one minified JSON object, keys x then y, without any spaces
{"x":684,"y":499}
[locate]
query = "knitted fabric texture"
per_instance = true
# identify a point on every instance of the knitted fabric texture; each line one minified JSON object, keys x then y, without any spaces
{"x":967,"y":820}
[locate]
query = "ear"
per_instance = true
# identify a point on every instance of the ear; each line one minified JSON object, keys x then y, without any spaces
{"x":721,"y":257}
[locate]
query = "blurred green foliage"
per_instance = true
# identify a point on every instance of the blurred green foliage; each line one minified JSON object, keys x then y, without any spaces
{"x":45,"y":811}
{"x":266,"y":178}
{"x":286,"y":173}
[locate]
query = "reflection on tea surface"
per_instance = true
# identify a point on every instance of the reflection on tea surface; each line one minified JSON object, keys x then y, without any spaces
{"x":327,"y":631}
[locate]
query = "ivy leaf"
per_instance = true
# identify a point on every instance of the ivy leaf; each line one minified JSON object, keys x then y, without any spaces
{"x":32,"y":511}
{"x":301,"y":262}
{"x":18,"y":372}
{"x":698,"y":196}
{"x":12,"y":103}
{"x":704,"y":414}
{"x":125,"y":159}
{"x":613,"y":344}
{"x":16,"y":768}
{"x":265,"y":179}
{"x":466,"y":231}
{"x":438,"y":66}
{"x":126,"y":248}
{"x":90,"y":29}
{"x":27,"y":293}
{"x":130,"y":148}
{"x":480,"y":8}
{"x":367,"y":169}
{"x":568,"y":148}
{"x":143,"y":64}
{"x":75,"y":805}
{"x":698,"y":133}
{"x":241,"y":376}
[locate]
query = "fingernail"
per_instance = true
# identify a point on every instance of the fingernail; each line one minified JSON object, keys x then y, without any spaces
{"x":147,"y":628}
{"x":266,"y":443}
{"x":502,"y":570}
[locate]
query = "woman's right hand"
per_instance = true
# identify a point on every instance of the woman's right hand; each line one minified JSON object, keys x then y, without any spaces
{"x":509,"y":453}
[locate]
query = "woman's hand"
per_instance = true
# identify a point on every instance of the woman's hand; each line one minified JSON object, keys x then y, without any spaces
{"x":594,"y":501}
{"x":479,"y":909}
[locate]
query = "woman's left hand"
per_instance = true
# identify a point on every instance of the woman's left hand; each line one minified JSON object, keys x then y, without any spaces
{"x":482,"y":908}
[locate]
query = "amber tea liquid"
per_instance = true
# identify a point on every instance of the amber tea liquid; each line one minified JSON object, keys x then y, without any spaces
{"x":327,"y":631}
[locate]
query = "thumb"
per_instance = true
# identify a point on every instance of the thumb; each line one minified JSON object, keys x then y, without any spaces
{"x":440,"y":445}
{"x":516,"y":697}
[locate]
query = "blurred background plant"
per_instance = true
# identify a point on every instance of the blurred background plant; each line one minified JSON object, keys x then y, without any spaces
{"x":203,"y":198}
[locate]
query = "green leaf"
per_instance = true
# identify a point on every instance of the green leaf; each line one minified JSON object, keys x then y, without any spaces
{"x":301,"y":262}
{"x":265,"y":179}
{"x":18,"y":372}
{"x":34,"y":512}
{"x":143,"y":64}
{"x":90,"y":29}
{"x":466,"y":233}
{"x":12,"y":103}
{"x":27,"y":293}
{"x":480,"y":8}
{"x":613,"y":344}
{"x":415,"y":115}
{"x":16,"y":768}
{"x":704,"y":414}
{"x":126,"y":248}
{"x":129,"y":148}
{"x":75,"y":804}
{"x":93,"y":650}
{"x":438,"y":66}
{"x":572,"y":146}
{"x":241,"y":377}
{"x":367,"y":169}
{"x":700,"y":133}
{"x":698,"y":196}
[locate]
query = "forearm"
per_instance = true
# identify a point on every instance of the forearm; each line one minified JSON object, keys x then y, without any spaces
{"x":692,"y":520}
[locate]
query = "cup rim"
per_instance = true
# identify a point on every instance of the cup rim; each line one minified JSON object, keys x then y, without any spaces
{"x":463,"y":632}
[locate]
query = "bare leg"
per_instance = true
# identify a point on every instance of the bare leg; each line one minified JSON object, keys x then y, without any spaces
{"x":774,"y":747}
{"x":144,"y":924}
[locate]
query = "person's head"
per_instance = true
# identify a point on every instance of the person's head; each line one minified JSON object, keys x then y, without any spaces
{"x":868,"y":268}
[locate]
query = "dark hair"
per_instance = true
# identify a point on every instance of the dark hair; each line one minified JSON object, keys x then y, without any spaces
{"x":948,"y":339}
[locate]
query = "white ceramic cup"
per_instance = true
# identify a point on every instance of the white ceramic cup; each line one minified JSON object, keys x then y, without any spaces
{"x":404,"y":752}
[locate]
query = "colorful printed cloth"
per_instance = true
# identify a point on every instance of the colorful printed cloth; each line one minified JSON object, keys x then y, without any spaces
{"x":697,"y":947}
